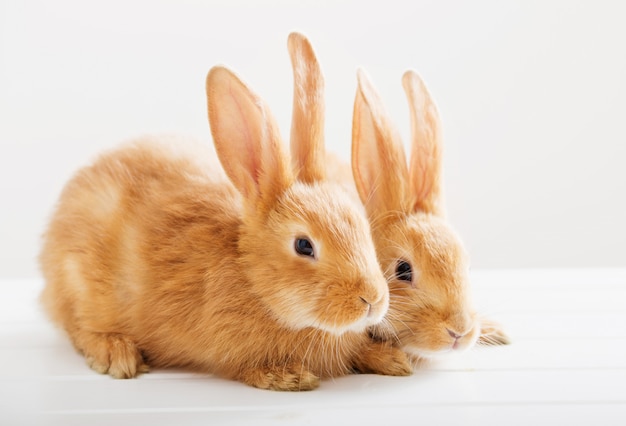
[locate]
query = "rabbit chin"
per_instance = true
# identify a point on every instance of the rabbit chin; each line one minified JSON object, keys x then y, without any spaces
{"x":425,"y":355}
{"x":357,"y":326}
{"x":368,"y":319}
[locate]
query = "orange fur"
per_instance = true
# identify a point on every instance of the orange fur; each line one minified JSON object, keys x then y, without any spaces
{"x":154,"y":258}
{"x":431,"y":314}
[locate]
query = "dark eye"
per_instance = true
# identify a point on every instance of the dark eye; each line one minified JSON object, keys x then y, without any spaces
{"x":304,"y":247}
{"x":404,"y":272}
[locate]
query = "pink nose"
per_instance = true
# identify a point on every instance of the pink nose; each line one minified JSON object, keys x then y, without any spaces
{"x":369,"y":306}
{"x":454,"y":334}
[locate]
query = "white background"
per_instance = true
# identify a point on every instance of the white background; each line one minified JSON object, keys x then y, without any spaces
{"x":532,"y":95}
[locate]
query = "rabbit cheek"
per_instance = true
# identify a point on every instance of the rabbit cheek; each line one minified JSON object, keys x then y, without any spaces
{"x":292,"y":310}
{"x":298,"y":311}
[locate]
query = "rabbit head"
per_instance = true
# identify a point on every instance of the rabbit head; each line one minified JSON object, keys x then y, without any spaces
{"x":305,"y":248}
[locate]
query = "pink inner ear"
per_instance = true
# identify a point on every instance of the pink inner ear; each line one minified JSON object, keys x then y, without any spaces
{"x":370,"y":176}
{"x":237,"y":121}
{"x":366,"y":158}
{"x":247,"y":142}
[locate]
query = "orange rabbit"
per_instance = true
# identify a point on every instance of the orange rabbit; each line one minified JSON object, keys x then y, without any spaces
{"x":430,"y":312}
{"x":154,"y":258}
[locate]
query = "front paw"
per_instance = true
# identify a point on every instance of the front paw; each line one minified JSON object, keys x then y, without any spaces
{"x":492,"y":334}
{"x":113,"y":354}
{"x":383,"y":358}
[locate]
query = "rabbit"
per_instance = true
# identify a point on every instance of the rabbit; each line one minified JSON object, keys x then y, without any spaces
{"x":251,"y":272}
{"x":430,"y":311}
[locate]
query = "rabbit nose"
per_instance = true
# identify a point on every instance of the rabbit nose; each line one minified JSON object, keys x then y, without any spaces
{"x":369,"y":306}
{"x":454,"y":334}
{"x":375,"y":295}
{"x":375,"y":292}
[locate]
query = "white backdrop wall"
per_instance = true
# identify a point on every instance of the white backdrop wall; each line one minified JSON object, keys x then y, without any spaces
{"x":532,"y":95}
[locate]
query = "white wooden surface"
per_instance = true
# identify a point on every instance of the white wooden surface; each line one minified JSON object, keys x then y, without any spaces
{"x":567,"y":365}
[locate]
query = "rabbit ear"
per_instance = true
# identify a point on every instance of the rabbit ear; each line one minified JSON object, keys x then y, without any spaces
{"x":426,"y":146}
{"x":246,"y":137}
{"x":378,"y":162}
{"x":307,"y":123}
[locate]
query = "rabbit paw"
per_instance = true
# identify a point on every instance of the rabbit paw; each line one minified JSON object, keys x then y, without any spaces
{"x":114,"y":354}
{"x":281,"y":379}
{"x":383,"y":358}
{"x":492,"y":334}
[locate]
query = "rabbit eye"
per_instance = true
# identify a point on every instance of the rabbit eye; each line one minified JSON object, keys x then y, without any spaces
{"x":404,"y":272}
{"x":304,"y":247}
